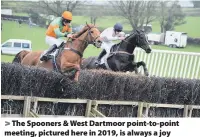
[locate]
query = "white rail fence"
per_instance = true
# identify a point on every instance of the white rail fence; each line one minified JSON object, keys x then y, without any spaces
{"x":173,"y":64}
{"x":91,"y":106}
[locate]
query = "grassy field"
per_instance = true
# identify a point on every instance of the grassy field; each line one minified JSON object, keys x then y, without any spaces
{"x":37,"y":35}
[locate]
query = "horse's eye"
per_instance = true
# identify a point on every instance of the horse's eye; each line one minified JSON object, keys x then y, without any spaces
{"x":91,"y":31}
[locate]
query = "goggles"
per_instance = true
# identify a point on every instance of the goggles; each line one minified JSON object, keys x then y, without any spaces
{"x":66,"y":21}
{"x":118,"y":30}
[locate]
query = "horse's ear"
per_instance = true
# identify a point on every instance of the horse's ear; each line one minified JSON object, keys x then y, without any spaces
{"x":87,"y":24}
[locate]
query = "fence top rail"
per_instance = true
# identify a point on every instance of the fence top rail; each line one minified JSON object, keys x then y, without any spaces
{"x":96,"y":102}
{"x":11,"y":97}
{"x":60,"y":100}
{"x":145,"y":104}
{"x":43,"y":99}
{"x":172,"y":52}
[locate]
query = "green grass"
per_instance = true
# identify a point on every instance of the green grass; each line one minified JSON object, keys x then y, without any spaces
{"x":37,"y":36}
{"x":191,"y":27}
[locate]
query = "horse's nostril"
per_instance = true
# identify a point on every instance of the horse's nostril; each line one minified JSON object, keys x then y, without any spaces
{"x":148,"y":50}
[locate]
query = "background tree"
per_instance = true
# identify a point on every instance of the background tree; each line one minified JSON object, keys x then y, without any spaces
{"x":57,"y":7}
{"x":170,"y":14}
{"x":94,"y":13}
{"x":137,"y":13}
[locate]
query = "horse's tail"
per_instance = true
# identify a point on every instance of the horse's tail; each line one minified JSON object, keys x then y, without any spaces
{"x":19,"y":56}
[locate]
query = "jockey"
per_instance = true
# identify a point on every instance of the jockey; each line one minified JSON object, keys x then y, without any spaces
{"x":107,"y":36}
{"x":59,"y":27}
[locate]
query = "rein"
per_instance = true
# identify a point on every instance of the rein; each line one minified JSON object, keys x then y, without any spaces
{"x":123,"y":52}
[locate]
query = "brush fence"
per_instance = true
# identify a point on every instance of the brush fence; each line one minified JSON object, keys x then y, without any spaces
{"x":91,"y":106}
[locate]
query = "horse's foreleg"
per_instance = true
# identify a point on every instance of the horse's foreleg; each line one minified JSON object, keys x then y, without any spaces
{"x":133,"y":67}
{"x":142,"y":63}
{"x":77,"y":72}
{"x":77,"y":75}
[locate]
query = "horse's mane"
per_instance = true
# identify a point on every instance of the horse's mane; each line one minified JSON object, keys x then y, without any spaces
{"x":133,"y":33}
{"x":84,"y":29}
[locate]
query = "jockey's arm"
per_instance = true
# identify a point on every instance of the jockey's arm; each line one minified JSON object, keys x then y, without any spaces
{"x":110,"y":38}
{"x":107,"y":35}
{"x":116,"y":37}
{"x":59,"y":33}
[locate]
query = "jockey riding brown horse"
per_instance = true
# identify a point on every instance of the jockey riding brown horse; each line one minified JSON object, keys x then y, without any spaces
{"x":70,"y":57}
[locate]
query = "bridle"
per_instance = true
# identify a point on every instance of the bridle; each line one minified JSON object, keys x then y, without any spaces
{"x":86,"y":42}
{"x":138,"y":35}
{"x":88,"y":39}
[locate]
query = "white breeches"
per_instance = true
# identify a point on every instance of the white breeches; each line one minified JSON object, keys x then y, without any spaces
{"x":51,"y":41}
{"x":106,"y":46}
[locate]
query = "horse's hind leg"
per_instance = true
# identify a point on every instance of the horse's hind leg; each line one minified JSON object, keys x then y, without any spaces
{"x":141,"y":63}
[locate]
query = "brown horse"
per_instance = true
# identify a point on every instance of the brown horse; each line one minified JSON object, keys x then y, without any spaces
{"x":70,"y":55}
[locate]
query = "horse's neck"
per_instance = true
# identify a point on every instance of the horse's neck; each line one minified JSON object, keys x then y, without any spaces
{"x":128,"y":47}
{"x":78,"y":44}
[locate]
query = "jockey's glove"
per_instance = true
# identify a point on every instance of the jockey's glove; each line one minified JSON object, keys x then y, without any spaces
{"x":65,"y":35}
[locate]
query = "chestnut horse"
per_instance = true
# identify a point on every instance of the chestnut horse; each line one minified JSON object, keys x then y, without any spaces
{"x":70,"y":55}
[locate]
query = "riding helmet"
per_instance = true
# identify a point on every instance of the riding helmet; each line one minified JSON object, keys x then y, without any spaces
{"x":118,"y":27}
{"x":67,"y":15}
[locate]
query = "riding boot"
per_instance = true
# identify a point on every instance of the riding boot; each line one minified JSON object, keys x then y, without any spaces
{"x":49,"y":51}
{"x":103,"y":52}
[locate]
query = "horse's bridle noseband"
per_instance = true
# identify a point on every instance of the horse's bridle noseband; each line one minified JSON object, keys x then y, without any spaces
{"x":89,"y":34}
